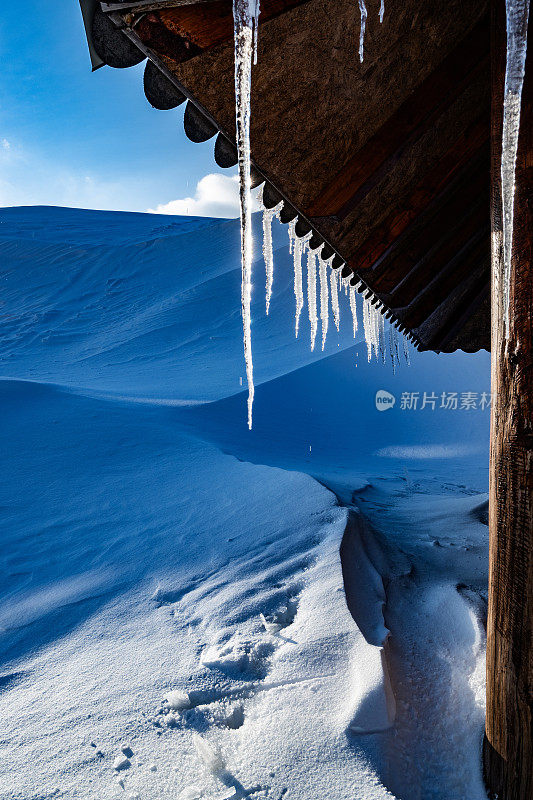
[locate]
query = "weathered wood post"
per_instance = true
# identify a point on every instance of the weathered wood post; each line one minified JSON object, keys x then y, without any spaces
{"x":508,"y":748}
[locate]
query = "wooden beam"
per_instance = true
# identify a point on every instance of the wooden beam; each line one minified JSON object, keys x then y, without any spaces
{"x":468,"y":146}
{"x":435,"y":241}
{"x":148,"y":5}
{"x":465,"y":262}
{"x":508,"y":747}
{"x":414,"y":117}
{"x":182,"y":32}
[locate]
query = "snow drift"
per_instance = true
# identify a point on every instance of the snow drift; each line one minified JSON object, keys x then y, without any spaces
{"x":174,"y":618}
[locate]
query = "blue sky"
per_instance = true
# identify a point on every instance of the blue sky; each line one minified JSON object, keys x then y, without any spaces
{"x":91,"y":140}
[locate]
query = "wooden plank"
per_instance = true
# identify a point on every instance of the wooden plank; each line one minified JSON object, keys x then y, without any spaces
{"x":380,"y":241}
{"x":417,"y":114}
{"x":436,"y":260}
{"x":474,"y":253}
{"x":446,"y":213}
{"x":463,"y":312}
{"x":508,"y":747}
{"x":183,"y":32}
{"x":148,"y":5}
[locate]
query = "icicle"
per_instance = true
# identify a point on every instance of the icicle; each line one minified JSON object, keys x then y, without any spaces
{"x":243,"y":17}
{"x":517,"y":22}
{"x":311,"y":295}
{"x":382,"y":10}
{"x":324,"y":298}
{"x":374,"y":326}
{"x":291,"y":234}
{"x":406,"y":352}
{"x":391,"y":349}
{"x":381,"y":334}
{"x":297,"y":246}
{"x":364,"y":14}
{"x":268,"y":253}
{"x":353,"y":308}
{"x":366,"y":328}
{"x":257,"y":11}
{"x":375,"y":329}
{"x":334,"y":290}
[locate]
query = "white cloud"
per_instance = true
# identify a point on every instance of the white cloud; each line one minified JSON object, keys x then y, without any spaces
{"x":5,"y":144}
{"x":216,"y":195}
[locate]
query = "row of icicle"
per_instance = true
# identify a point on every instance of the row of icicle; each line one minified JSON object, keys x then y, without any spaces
{"x":330,"y":284}
{"x":246,"y":17}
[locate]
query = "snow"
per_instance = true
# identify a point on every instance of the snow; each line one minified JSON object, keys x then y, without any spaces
{"x":517,"y":24}
{"x":157,"y":554}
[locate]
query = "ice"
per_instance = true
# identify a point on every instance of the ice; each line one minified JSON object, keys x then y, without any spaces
{"x":178,"y":700}
{"x":334,"y":290}
{"x":382,"y":10}
{"x":393,"y":348}
{"x":268,"y":253}
{"x":296,"y":246}
{"x":406,"y":352}
{"x":311,"y":295}
{"x":324,"y":297}
{"x":381,"y":332}
{"x":353,"y":307}
{"x":208,"y":755}
{"x":374,"y":328}
{"x":270,"y":627}
{"x":191,"y":793}
{"x":517,"y":23}
{"x":257,"y":11}
{"x":364,"y":14}
{"x":244,"y":17}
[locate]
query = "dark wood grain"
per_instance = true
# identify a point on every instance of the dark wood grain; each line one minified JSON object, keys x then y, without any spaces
{"x":508,"y":750}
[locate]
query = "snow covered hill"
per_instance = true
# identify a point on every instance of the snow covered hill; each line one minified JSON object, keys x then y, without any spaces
{"x":175,"y":617}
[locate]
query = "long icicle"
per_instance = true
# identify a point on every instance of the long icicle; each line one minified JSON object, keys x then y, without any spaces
{"x":243,"y":18}
{"x":517,"y":23}
{"x":268,"y":252}
{"x":353,"y":308}
{"x":382,"y":10}
{"x":324,"y":298}
{"x":406,"y":351}
{"x":334,"y":291}
{"x":296,"y":245}
{"x":391,"y":349}
{"x":257,"y":11}
{"x":311,"y":295}
{"x":364,"y":14}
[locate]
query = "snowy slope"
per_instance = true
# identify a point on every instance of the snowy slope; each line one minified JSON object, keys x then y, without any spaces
{"x":151,"y":543}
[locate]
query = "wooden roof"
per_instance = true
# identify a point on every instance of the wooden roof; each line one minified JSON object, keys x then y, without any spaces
{"x":386,"y":161}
